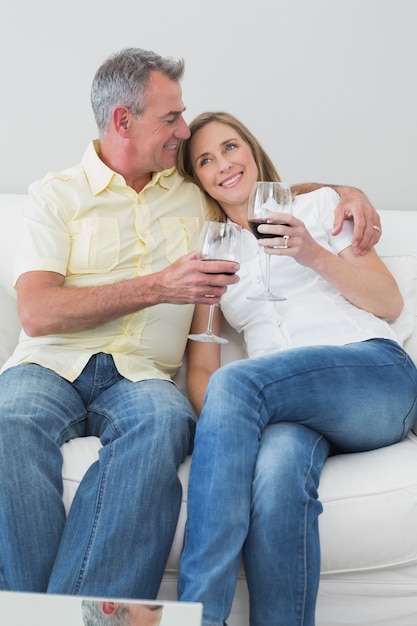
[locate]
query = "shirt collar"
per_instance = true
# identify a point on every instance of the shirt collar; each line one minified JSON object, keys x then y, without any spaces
{"x":99,"y":175}
{"x":165,"y":179}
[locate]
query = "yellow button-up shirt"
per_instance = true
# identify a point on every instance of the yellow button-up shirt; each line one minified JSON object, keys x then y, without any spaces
{"x":88,"y":225}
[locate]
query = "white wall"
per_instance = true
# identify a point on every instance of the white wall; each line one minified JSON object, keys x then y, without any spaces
{"x":328,"y":86}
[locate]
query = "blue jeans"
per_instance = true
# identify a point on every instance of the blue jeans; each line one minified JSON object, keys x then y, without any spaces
{"x":118,"y":534}
{"x":284,"y":522}
{"x":358,"y":397}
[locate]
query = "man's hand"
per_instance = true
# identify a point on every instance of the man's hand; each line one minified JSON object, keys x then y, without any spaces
{"x":366,"y":221}
{"x":191,"y":280}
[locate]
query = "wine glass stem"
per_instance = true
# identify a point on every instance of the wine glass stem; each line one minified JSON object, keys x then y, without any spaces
{"x":267,"y":271}
{"x":210,"y":320}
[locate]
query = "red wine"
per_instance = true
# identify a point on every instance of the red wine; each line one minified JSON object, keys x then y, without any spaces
{"x":227,"y":273}
{"x":253,"y":225}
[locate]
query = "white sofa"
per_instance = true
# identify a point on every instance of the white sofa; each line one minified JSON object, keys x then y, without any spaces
{"x":369,"y":525}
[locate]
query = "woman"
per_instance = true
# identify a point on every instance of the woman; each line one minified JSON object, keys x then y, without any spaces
{"x":325,"y":371}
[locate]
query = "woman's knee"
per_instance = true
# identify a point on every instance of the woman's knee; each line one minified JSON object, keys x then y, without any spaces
{"x":288,"y":451}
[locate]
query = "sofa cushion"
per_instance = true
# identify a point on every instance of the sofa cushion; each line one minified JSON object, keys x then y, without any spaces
{"x":369,"y":499}
{"x":9,"y":325}
{"x":404,"y":269}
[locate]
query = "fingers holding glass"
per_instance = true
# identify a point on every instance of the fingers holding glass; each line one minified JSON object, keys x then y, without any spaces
{"x":221,"y":242}
{"x":266,"y":200}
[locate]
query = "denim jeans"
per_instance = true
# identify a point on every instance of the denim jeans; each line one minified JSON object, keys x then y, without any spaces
{"x":358,"y":397}
{"x":284,"y":522}
{"x":119,"y":530}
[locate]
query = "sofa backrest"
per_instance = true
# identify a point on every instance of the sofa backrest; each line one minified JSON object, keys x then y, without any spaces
{"x":398,"y":248}
{"x":11,"y":206}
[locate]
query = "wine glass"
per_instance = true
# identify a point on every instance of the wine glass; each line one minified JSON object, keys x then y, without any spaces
{"x":221,"y":242}
{"x":265,"y":200}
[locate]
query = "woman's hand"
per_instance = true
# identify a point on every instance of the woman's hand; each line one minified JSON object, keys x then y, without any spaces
{"x":292,"y":239}
{"x":364,"y":280}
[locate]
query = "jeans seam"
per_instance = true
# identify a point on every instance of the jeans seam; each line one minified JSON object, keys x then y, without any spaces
{"x":103,"y":485}
{"x":305,"y":528}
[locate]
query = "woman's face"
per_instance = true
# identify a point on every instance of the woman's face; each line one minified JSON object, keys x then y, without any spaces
{"x":224,"y":164}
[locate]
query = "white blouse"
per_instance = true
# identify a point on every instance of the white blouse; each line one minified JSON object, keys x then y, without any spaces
{"x":314,"y":312}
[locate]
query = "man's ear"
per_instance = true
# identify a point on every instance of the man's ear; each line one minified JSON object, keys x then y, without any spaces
{"x":121,"y":118}
{"x":109,"y":608}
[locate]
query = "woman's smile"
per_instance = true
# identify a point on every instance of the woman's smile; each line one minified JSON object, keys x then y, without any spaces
{"x":228,"y":182}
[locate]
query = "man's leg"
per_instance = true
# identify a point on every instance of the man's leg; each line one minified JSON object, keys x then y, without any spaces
{"x":38,"y":412}
{"x":123,"y":518}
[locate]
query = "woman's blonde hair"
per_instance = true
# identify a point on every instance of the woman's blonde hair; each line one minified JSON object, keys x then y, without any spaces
{"x":266,"y":169}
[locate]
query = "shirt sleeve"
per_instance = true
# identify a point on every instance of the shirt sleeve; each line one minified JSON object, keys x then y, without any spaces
{"x":329,"y":200}
{"x":44,"y":241}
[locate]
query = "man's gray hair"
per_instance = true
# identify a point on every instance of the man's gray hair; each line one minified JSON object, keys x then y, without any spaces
{"x":93,"y":616}
{"x":122,"y":80}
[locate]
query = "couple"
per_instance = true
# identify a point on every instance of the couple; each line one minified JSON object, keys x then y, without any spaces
{"x":107,"y":282}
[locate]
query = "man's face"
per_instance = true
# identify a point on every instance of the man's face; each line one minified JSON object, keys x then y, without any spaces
{"x":155,"y":135}
{"x":145,"y":614}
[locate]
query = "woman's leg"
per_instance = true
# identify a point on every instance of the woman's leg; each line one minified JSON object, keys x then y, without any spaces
{"x":282,"y":550}
{"x":359,"y":396}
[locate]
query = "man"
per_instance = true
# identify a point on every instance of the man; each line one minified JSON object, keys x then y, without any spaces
{"x":107,"y":613}
{"x":104,"y":263}
{"x":106,"y":282}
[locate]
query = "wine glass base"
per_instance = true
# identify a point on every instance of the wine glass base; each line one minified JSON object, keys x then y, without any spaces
{"x":208,"y":338}
{"x":267,"y":296}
